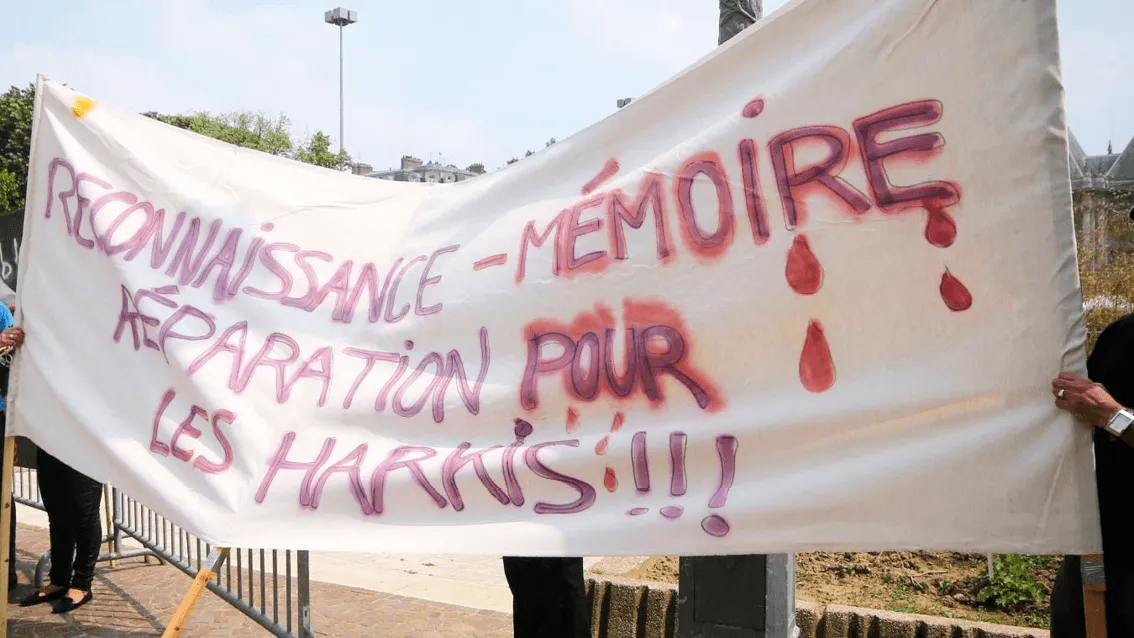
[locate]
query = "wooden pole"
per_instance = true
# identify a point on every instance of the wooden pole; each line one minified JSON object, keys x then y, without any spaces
{"x":1094,"y":595}
{"x":5,"y":531}
{"x":196,"y":590}
{"x":109,"y":522}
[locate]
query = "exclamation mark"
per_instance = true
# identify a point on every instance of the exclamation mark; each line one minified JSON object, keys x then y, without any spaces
{"x":677,"y":474}
{"x":640,"y":462}
{"x":714,"y":524}
{"x":677,"y":464}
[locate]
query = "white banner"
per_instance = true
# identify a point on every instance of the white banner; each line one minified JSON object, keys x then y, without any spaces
{"x":810,"y":293}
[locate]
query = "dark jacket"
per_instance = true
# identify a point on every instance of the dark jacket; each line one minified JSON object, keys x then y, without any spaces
{"x":1112,"y":364}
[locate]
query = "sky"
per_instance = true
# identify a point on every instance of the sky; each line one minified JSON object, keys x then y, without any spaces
{"x":466,"y":81}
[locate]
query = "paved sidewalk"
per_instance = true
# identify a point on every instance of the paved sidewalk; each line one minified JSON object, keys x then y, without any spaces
{"x":135,"y":599}
{"x":468,"y":581}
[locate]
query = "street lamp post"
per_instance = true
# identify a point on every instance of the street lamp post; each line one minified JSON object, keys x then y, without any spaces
{"x":341,"y":17}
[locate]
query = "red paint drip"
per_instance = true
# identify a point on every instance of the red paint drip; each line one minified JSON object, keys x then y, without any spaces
{"x":619,"y":419}
{"x":572,"y":420}
{"x":816,"y":368}
{"x":956,"y":296}
{"x":940,"y":228}
{"x":610,"y":480}
{"x":602,"y":445}
{"x":803,"y":272}
{"x":753,"y":108}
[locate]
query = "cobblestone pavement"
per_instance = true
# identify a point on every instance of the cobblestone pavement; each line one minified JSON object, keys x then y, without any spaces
{"x":135,"y":599}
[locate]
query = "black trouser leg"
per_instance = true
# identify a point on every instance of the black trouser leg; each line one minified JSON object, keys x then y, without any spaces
{"x":1119,"y":601}
{"x":1068,"y":619}
{"x":88,"y":530}
{"x":549,"y":597}
{"x":58,"y":500}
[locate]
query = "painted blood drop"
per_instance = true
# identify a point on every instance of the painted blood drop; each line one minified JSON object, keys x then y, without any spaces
{"x":753,"y":108}
{"x":940,"y":229}
{"x":953,"y":292}
{"x":816,"y":369}
{"x":572,"y":420}
{"x":672,"y":511}
{"x":600,"y":447}
{"x":803,"y":272}
{"x":616,"y":424}
{"x":610,"y":480}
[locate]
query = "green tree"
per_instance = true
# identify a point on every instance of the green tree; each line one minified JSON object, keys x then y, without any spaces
{"x":317,"y":151}
{"x":530,"y":152}
{"x":475,"y":168}
{"x":10,"y":192}
{"x":262,"y":133}
{"x":248,"y":130}
{"x":16,"y":106}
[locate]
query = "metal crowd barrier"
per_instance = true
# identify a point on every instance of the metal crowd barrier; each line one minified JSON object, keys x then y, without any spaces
{"x":272,"y":588}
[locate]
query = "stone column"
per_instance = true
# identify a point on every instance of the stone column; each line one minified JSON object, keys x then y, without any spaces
{"x":750,"y":596}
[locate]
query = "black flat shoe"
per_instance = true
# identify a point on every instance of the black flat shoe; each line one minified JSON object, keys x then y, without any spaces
{"x":66,"y":605}
{"x":37,"y":598}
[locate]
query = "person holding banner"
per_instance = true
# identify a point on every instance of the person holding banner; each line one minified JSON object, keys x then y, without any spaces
{"x":9,"y":338}
{"x":1103,"y":401}
{"x":549,"y":597}
{"x":72,"y":502}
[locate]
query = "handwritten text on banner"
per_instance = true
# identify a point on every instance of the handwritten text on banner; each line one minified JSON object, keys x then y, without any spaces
{"x":809,"y":293}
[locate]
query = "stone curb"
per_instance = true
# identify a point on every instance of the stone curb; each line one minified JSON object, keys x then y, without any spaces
{"x":627,"y":608}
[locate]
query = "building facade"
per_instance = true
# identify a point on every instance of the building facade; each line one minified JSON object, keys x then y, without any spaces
{"x":414,"y":170}
{"x":1112,"y":171}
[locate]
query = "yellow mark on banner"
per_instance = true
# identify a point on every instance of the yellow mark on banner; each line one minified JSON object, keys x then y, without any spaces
{"x":82,"y":106}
